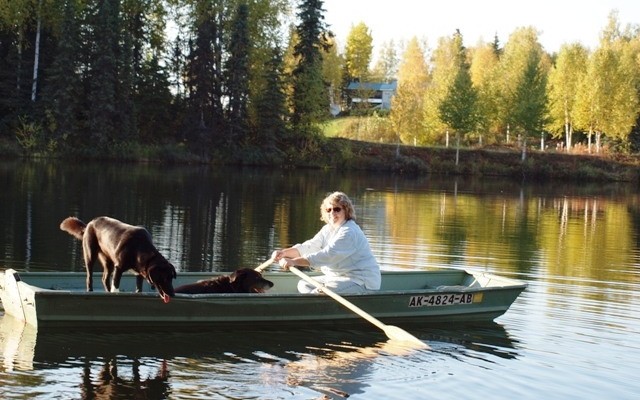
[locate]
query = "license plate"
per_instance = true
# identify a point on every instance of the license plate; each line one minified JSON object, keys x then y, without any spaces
{"x":445,"y":299}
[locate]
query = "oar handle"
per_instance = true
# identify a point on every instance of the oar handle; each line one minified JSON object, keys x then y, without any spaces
{"x":339,"y":298}
{"x":265,"y":264}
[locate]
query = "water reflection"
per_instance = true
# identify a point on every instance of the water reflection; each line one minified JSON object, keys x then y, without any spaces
{"x":335,"y":363}
{"x":489,"y":338}
{"x":21,"y":345}
{"x":576,"y":245}
{"x":17,"y":343}
{"x":108,"y":383}
{"x":210,"y":219}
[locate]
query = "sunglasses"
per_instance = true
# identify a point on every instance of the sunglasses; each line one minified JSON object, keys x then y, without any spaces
{"x":336,"y":209}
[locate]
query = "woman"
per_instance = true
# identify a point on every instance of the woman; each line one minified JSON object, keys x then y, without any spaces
{"x":340,"y":248}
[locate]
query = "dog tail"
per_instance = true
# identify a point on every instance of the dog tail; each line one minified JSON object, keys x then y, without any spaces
{"x":74,"y":227}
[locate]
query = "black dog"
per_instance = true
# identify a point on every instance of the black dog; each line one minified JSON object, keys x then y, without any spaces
{"x":244,"y":280}
{"x":121,"y":247}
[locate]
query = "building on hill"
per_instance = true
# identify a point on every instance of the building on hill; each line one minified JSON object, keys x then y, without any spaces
{"x":375,"y":94}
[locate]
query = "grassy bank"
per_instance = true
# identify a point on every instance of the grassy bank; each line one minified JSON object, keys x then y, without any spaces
{"x":485,"y":162}
{"x":370,"y":154}
{"x":347,"y":154}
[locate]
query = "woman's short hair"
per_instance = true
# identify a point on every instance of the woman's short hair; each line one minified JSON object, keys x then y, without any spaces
{"x":337,"y":199}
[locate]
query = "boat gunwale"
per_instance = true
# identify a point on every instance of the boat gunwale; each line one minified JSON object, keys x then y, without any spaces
{"x":506,"y":283}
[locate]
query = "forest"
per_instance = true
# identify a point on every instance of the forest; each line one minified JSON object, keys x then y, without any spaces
{"x":253,"y":82}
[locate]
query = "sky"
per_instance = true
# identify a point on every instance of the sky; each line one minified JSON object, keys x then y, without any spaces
{"x":557,"y":21}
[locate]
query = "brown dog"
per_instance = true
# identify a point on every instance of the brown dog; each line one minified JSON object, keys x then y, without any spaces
{"x":121,"y":247}
{"x":244,"y":280}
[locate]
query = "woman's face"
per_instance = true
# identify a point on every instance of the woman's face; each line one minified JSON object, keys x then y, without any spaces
{"x":335,"y":214}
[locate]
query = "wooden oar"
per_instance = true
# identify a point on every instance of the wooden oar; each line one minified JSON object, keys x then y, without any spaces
{"x":265,"y":264}
{"x":392,"y":332}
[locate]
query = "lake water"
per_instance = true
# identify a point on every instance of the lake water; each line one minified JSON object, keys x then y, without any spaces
{"x":574,"y":333}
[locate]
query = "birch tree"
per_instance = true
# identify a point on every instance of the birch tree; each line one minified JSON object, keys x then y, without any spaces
{"x":357,"y":57}
{"x":607,"y":101}
{"x":484,"y":72}
{"x":357,"y":52}
{"x":407,"y":104}
{"x":522,"y":83}
{"x":564,"y":79}
{"x":596,"y":93}
{"x":625,"y":114}
{"x":386,"y":67}
{"x":447,"y":60}
{"x":332,"y":70}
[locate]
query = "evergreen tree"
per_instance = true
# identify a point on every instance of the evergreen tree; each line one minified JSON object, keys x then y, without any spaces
{"x":205,"y":109}
{"x":104,"y":77}
{"x":143,"y":26}
{"x":495,"y":46}
{"x":15,"y":73}
{"x":310,"y":100}
{"x":459,"y":109}
{"x":271,"y":101}
{"x":264,"y":26}
{"x":128,"y":74}
{"x":156,"y":117}
{"x":176,"y":50}
{"x":176,"y":63}
{"x":237,"y":77}
{"x":528,"y":114}
{"x":63,"y":91}
{"x":11,"y":101}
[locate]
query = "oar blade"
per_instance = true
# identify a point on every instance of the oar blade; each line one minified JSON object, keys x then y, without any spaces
{"x":399,"y":334}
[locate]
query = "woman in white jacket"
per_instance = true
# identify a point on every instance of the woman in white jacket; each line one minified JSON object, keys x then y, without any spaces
{"x":340,"y":249}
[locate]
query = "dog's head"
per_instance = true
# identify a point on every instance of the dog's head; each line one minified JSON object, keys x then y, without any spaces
{"x":160,"y":276}
{"x":247,"y":280}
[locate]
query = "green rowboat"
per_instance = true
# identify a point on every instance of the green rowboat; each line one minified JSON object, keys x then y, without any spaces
{"x":59,"y":300}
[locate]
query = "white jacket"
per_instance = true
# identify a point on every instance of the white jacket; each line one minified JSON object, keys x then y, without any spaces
{"x":343,"y":254}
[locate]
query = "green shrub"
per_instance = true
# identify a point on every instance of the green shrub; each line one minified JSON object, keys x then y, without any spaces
{"x":28,"y":135}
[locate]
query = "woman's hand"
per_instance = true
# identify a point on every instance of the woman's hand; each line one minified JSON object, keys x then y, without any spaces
{"x":277,"y":255}
{"x":285,"y":263}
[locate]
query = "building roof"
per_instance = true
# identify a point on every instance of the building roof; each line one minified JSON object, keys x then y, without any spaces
{"x":377,"y":86}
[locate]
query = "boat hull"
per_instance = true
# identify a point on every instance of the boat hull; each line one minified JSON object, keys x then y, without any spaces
{"x":58,"y":300}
